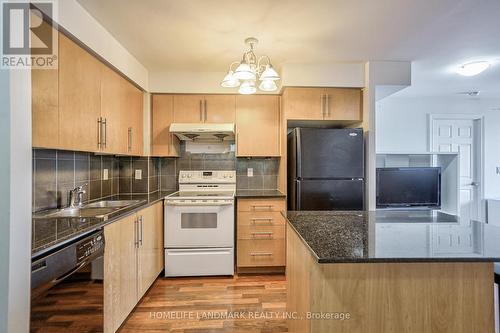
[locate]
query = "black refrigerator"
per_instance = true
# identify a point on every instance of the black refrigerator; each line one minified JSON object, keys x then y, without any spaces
{"x":326,"y":169}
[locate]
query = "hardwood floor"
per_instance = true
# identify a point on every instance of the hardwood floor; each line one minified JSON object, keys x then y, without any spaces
{"x":250,"y":304}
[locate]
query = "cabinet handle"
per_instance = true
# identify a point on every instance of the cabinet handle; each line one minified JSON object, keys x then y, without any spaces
{"x":262,"y":233}
{"x":201,"y":110}
{"x":323,"y":105}
{"x":327,"y":105}
{"x":99,"y":128}
{"x":257,"y":219}
{"x":141,"y":220}
{"x":136,"y":233}
{"x":261,"y":254}
{"x":130,"y":139}
{"x":104,"y":133}
{"x":205,"y":107}
{"x":255,"y":207}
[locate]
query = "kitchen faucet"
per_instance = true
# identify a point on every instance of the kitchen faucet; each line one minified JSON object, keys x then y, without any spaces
{"x":76,"y":196}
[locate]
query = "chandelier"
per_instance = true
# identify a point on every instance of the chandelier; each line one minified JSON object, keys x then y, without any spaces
{"x":249,"y":70}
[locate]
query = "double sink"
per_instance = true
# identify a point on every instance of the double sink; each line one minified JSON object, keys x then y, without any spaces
{"x":98,"y":209}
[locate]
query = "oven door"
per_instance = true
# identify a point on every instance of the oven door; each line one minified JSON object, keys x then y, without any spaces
{"x":189,"y":225}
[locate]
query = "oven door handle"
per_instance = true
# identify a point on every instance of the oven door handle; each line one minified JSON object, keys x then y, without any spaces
{"x":68,"y":274}
{"x":193,"y":204}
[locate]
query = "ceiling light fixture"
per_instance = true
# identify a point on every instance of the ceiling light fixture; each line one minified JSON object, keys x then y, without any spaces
{"x":473,"y":68}
{"x":249,"y":70}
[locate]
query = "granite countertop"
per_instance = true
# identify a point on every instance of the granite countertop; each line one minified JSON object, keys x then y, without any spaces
{"x":362,"y":237}
{"x":48,"y":233}
{"x":259,"y":194}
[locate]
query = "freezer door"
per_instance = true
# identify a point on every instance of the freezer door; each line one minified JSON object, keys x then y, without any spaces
{"x":330,"y":195}
{"x":330,"y":153}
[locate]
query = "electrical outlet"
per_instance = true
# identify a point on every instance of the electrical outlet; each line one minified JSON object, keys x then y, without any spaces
{"x":250,"y":172}
{"x":105,"y":174}
{"x":138,"y":174}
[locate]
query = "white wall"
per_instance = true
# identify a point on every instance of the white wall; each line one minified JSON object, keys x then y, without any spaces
{"x":402,"y":126}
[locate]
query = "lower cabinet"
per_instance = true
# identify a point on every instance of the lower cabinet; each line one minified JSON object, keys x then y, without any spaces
{"x":133,"y":259}
{"x":261,"y":234}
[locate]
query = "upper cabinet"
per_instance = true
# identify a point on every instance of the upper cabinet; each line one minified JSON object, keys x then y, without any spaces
{"x":257,"y":126}
{"x":340,"y":104}
{"x":85,"y":106}
{"x":204,"y":108}
{"x":79,"y":98}
{"x":163,"y":143}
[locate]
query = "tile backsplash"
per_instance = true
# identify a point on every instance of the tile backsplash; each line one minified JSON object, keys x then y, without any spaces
{"x":56,"y":172}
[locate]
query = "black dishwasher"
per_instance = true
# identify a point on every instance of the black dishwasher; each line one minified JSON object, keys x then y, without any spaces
{"x":66,"y":286}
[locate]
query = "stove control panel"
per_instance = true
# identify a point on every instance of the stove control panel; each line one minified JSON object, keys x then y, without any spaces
{"x":207,"y":176}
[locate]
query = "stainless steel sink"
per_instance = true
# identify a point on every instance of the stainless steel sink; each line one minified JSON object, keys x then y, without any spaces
{"x":112,"y":203}
{"x":98,"y":209}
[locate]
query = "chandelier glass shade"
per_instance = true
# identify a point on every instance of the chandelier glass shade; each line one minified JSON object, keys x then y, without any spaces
{"x":249,"y":70}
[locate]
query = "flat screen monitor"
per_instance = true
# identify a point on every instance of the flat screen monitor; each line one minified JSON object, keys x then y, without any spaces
{"x":409,"y":187}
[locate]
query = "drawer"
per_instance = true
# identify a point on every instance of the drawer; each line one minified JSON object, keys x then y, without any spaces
{"x":255,"y":253}
{"x":260,"y":218}
{"x":261,"y":205}
{"x":264,"y":232}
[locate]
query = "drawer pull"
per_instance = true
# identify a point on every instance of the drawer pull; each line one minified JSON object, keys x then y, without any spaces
{"x":262,"y":219}
{"x":255,"y":207}
{"x":261,"y":254}
{"x":263,"y":233}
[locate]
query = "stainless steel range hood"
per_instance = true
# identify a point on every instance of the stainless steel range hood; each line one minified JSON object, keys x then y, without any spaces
{"x":203,"y":132}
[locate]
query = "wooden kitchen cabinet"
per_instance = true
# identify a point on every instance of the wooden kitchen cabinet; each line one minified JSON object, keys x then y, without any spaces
{"x":343,"y":104}
{"x":219,"y":108}
{"x":79,"y":97}
{"x":134,"y":122}
{"x":257,"y":126}
{"x":120,"y":273}
{"x":163,"y":143}
{"x":339,"y":104}
{"x":204,"y":108}
{"x":133,"y":259}
{"x":151,"y":250}
{"x":260,"y":234}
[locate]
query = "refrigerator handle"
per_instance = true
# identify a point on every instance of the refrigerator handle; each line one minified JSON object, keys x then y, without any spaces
{"x":298,"y":154}
{"x":297,"y":196}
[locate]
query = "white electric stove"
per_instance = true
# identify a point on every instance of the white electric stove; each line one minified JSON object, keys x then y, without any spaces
{"x":199,"y":224}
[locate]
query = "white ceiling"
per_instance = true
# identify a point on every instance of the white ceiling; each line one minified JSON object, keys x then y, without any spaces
{"x":207,"y":35}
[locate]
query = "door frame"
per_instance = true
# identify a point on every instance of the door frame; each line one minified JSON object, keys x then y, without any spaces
{"x":478,"y":121}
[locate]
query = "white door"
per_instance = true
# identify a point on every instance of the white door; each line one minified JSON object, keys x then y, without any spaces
{"x":458,"y":136}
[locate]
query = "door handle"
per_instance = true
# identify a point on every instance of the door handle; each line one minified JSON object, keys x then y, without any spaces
{"x":323,"y":105}
{"x":474,"y":184}
{"x":136,"y":233}
{"x":141,"y":226}
{"x":327,"y":103}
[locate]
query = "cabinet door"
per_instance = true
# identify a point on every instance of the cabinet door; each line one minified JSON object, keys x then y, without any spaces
{"x":79,"y":97}
{"x":257,"y":126}
{"x":45,"y":107}
{"x":113,"y":112}
{"x":188,"y":108}
{"x":151,"y":249}
{"x":163,"y":143}
{"x":120,"y":272}
{"x":343,"y":104}
{"x":303,"y":103}
{"x":134,"y":100}
{"x":219,"y":108}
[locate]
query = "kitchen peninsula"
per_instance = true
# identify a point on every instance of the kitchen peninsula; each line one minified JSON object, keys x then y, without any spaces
{"x":389,"y":273}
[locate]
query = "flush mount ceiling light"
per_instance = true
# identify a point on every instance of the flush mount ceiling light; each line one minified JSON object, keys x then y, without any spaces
{"x":249,"y":70}
{"x":473,"y":68}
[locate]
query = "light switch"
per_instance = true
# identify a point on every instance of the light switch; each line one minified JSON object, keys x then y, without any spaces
{"x":138,"y":174}
{"x":250,"y":172}
{"x":105,"y":174}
